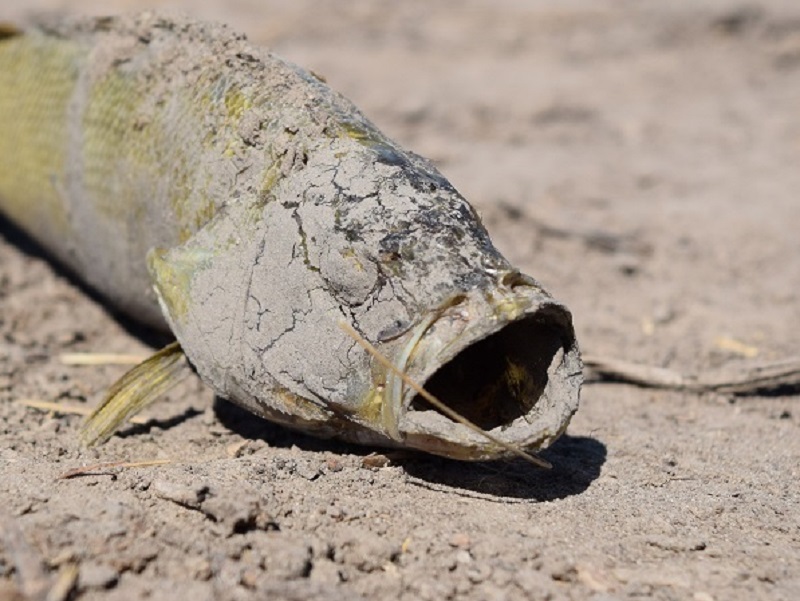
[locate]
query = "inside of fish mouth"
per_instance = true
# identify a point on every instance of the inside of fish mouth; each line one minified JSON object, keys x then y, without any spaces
{"x":500,"y":378}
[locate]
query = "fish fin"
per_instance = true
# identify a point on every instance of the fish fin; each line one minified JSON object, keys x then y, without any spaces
{"x":134,"y":391}
{"x":171,"y":281}
{"x":172,"y":271}
{"x":9,"y":30}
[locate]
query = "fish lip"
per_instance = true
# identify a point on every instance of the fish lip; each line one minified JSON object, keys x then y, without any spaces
{"x":461,"y":322}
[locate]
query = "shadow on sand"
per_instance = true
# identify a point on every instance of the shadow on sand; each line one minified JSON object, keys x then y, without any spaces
{"x":577,"y":461}
{"x":28,"y":246}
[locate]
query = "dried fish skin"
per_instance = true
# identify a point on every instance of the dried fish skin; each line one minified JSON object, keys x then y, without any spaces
{"x":394,"y":250}
{"x":205,"y":185}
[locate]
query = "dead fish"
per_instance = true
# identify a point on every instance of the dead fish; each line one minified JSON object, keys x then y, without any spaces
{"x":207,"y":187}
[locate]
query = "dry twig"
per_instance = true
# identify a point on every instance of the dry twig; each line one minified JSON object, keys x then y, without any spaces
{"x":100,"y":359}
{"x":97,"y":467}
{"x":64,"y":584}
{"x":70,"y":409}
{"x":731,"y":379}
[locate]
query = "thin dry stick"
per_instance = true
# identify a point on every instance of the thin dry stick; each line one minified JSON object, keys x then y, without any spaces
{"x":738,"y":379}
{"x":70,"y":409}
{"x":463,"y":492}
{"x":455,"y":416}
{"x":65,"y":583}
{"x":100,"y":359}
{"x":90,"y":469}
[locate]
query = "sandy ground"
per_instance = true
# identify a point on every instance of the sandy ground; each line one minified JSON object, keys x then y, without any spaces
{"x":641,"y":160}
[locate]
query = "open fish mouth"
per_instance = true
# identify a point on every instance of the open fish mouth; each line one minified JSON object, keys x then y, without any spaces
{"x":506,"y":359}
{"x":500,"y":378}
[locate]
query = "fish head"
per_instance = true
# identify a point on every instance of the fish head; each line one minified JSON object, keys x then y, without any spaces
{"x":256,"y":301}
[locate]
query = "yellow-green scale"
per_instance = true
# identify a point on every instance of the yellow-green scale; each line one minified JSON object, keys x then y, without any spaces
{"x":37,"y":81}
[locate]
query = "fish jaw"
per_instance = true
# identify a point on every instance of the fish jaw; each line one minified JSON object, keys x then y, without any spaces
{"x":503,"y":357}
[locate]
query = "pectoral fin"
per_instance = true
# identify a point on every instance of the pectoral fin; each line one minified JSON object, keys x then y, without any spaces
{"x":134,"y":391}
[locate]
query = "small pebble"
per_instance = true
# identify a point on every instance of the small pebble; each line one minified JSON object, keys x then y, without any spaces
{"x":626,"y":264}
{"x":249,"y":578}
{"x":307,"y":471}
{"x":375,"y":461}
{"x":97,"y":575}
{"x":199,"y":568}
{"x":479,"y":573}
{"x":236,"y":449}
{"x":334,"y":464}
{"x":189,"y":496}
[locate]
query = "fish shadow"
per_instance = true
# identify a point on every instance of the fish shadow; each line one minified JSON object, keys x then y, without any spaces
{"x":30,"y":247}
{"x":133,"y":430}
{"x":252,"y":427}
{"x":577,"y":462}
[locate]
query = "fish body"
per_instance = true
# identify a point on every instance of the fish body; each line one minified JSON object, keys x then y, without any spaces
{"x":205,"y":186}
